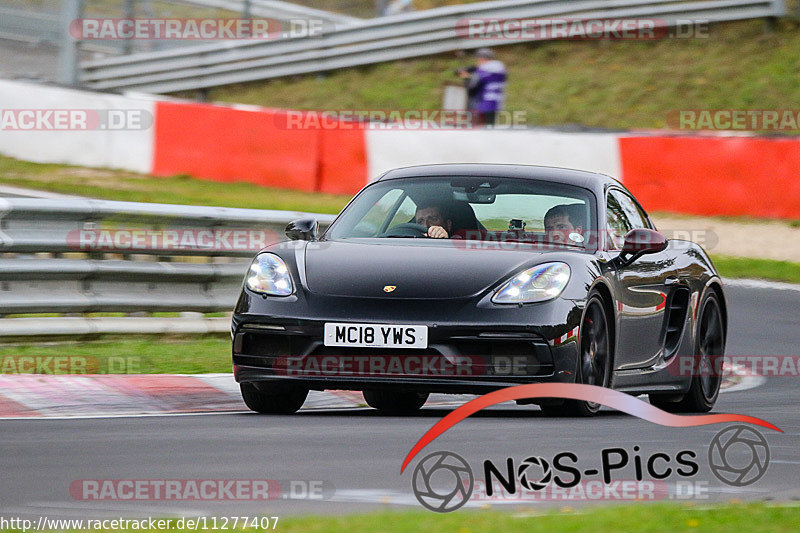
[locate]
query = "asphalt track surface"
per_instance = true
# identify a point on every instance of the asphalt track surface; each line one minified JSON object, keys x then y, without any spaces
{"x":360,"y":452}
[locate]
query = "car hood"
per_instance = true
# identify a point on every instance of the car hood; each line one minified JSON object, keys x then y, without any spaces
{"x":416,"y":270}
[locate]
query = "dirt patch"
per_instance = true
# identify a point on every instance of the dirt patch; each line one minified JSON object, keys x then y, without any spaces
{"x":766,"y":240}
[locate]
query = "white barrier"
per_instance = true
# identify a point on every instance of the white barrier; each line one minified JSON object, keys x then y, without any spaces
{"x":597,"y":152}
{"x":130,"y":148}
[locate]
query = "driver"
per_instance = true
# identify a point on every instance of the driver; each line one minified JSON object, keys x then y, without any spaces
{"x":436,"y":219}
{"x":564,"y":223}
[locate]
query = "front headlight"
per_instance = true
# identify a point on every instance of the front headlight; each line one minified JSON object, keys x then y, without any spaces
{"x":269,"y":275}
{"x":538,"y":284}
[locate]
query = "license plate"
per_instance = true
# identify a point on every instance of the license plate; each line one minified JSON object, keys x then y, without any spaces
{"x":375,"y":335}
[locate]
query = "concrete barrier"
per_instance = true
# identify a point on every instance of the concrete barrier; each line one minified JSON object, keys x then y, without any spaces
{"x":701,"y":174}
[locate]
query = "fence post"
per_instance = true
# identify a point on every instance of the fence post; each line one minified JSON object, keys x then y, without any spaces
{"x":128,"y":12}
{"x":68,"y":50}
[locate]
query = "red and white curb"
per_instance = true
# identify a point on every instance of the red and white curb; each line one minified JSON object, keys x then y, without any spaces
{"x":572,"y":334}
{"x":103,"y":396}
{"x":109,"y":395}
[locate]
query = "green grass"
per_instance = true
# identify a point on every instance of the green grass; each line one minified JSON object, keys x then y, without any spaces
{"x":745,"y":267}
{"x":610,"y":84}
{"x":652,"y":518}
{"x":133,"y":187}
{"x":755,"y":517}
{"x":134,"y":354}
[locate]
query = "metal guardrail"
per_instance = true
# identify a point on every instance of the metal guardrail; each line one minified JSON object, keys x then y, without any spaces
{"x":47,"y":27}
{"x":30,"y":26}
{"x":46,"y":24}
{"x":277,"y":9}
{"x":54,"y":261}
{"x":384,"y":39}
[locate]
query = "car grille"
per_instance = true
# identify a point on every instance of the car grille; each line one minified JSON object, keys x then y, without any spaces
{"x":459,"y":357}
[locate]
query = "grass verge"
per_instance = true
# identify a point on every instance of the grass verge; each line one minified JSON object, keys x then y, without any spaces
{"x":756,"y":517}
{"x":130,"y":355}
{"x":600,"y":83}
{"x":653,"y":518}
{"x":185,"y":190}
{"x":746,"y":267}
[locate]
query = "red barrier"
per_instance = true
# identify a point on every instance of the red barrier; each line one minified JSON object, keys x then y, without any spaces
{"x":342,"y":161}
{"x":226,"y":144}
{"x":714,"y":175}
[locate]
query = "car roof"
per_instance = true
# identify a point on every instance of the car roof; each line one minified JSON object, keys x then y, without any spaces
{"x":580,"y":178}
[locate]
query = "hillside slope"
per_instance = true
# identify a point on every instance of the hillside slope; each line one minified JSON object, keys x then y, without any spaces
{"x":608,"y":84}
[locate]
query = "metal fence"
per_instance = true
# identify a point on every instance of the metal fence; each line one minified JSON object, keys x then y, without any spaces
{"x":30,"y":26}
{"x":45,"y":25}
{"x":277,"y":9}
{"x":83,"y":257}
{"x":383,"y":39}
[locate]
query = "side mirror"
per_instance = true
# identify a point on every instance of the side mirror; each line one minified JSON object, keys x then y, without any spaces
{"x":643,"y":241}
{"x":637,"y":243}
{"x":303,"y":229}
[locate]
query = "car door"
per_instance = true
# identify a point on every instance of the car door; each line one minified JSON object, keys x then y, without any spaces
{"x":642,"y":290}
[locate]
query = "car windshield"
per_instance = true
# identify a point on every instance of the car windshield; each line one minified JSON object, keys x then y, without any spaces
{"x":471,"y":208}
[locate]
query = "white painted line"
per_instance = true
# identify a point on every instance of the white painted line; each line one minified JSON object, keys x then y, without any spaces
{"x":124,"y":415}
{"x":747,"y":382}
{"x":112,"y":505}
{"x":9,"y":190}
{"x":206,"y":413}
{"x":761,"y":284}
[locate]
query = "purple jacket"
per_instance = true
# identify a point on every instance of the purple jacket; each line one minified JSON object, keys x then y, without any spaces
{"x":487,"y":87}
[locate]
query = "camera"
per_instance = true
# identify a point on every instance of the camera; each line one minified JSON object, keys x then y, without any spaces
{"x":471,"y":70}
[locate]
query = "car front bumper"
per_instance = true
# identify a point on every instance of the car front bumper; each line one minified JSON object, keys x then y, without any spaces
{"x":472,"y":347}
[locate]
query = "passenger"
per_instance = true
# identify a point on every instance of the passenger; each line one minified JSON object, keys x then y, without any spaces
{"x":564,"y":224}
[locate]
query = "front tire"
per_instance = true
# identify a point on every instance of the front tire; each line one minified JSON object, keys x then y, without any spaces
{"x":709,"y":347}
{"x":272,"y":399}
{"x":595,"y":359}
{"x":395,"y":403}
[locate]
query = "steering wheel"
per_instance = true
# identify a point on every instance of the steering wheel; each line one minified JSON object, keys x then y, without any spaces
{"x":407,"y":229}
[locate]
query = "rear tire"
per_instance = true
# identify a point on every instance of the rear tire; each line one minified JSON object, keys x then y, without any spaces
{"x":709,"y":347}
{"x":272,"y":399}
{"x":595,"y":359}
{"x":395,"y":403}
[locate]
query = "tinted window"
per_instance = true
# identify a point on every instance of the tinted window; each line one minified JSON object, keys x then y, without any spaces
{"x":474,"y":208}
{"x":623,"y":215}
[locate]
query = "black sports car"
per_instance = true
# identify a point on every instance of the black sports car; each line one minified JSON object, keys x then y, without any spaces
{"x":467,"y":278}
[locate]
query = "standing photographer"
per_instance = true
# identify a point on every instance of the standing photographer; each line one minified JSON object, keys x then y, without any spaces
{"x":486,"y":85}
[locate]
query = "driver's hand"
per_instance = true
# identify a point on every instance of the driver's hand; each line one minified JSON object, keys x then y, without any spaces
{"x":437,"y":232}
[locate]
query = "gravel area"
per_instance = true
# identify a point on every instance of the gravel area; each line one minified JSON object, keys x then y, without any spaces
{"x":760,"y":239}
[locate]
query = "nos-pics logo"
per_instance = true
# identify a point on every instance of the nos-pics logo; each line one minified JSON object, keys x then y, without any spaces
{"x":443,"y":481}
